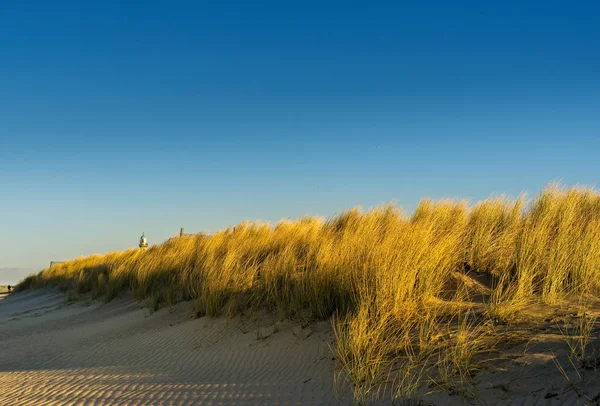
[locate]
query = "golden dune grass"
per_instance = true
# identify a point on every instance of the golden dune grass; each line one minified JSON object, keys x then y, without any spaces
{"x":401,"y":311}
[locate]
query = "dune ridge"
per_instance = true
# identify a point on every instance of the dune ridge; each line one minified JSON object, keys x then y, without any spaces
{"x":416,"y":302}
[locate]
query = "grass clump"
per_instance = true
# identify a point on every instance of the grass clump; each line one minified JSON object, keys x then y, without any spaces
{"x":402,"y":288}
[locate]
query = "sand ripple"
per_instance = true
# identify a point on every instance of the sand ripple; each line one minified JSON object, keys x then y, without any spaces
{"x":118,"y":353}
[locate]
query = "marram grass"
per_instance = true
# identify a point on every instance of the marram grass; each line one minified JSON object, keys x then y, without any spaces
{"x":391,"y":281}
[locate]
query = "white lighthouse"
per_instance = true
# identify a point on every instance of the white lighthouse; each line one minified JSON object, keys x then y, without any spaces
{"x":143,"y":242}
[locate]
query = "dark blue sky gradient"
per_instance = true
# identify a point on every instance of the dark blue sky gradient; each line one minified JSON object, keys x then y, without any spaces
{"x":123,"y":117}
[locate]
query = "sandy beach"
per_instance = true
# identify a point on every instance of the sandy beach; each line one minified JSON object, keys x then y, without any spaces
{"x":87,"y":352}
{"x":119,"y":353}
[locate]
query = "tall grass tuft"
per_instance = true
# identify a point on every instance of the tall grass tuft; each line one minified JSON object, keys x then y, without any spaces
{"x":383,"y":274}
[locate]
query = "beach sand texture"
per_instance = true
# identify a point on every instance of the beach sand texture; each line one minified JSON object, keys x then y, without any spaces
{"x":119,"y":353}
{"x":90,"y":353}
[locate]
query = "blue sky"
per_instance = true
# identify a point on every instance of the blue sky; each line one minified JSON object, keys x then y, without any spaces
{"x":123,"y":117}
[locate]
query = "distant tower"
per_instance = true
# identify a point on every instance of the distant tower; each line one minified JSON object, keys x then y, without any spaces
{"x":143,"y":242}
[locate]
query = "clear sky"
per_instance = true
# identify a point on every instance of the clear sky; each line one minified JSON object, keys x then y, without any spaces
{"x":120,"y":117}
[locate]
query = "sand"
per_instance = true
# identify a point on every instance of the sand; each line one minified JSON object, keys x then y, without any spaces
{"x":119,"y":353}
{"x":91,"y":353}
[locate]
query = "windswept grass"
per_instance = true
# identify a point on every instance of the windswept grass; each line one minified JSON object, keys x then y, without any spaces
{"x":395,"y":283}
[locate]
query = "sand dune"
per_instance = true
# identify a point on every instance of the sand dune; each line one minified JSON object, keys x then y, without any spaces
{"x":118,"y":353}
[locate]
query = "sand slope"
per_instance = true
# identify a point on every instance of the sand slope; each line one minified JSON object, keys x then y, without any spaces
{"x":119,"y":353}
{"x":89,"y":353}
